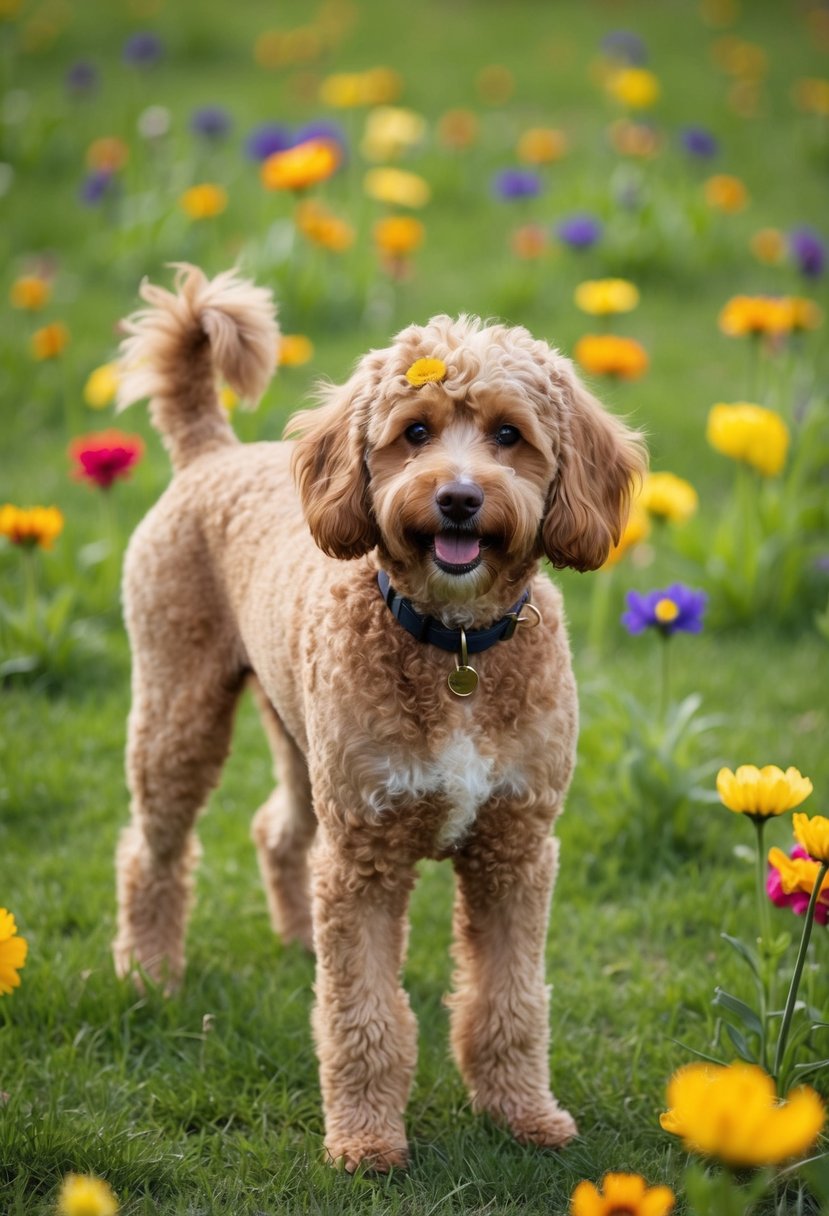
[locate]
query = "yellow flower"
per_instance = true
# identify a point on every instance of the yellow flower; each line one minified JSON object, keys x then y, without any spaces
{"x":811,"y":95}
{"x":82,"y":1195}
{"x":732,"y":1113}
{"x":739,"y":58}
{"x":813,"y":834}
{"x":30,"y":292}
{"x":669,"y":497}
{"x":49,"y":341}
{"x":321,"y":227}
{"x":457,"y":129}
{"x":32,"y":526}
{"x":762,"y":792}
{"x":754,"y":315}
{"x":13,"y":951}
{"x":376,"y":87}
{"x":228,"y":399}
{"x":541,"y":146}
{"x":294,"y":350}
{"x":101,"y":386}
{"x":204,"y":201}
{"x":391,"y":131}
{"x":621,"y":1193}
{"x":636,"y":88}
{"x":107,"y":154}
{"x":397,"y":187}
{"x":425,"y":371}
{"x":724,"y":192}
{"x":609,"y":355}
{"x":798,"y":874}
{"x":803,"y":313}
{"x":398,"y":235}
{"x":637,"y":529}
{"x":750,"y":433}
{"x":601,"y":297}
{"x":768,"y":246}
{"x":305,"y":165}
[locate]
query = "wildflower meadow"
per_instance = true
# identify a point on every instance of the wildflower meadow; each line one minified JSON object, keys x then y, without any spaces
{"x":645,"y":187}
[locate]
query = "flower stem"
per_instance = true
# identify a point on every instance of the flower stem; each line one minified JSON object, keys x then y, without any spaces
{"x":764,"y":940}
{"x":666,"y":679}
{"x":788,"y":1013}
{"x":30,"y":586}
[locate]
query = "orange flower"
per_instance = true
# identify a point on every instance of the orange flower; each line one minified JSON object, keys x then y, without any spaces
{"x":204,"y":201}
{"x":609,"y":355}
{"x":630,"y":138}
{"x":294,"y":350}
{"x":529,"y":241}
{"x":768,"y":246}
{"x":398,"y":235}
{"x":754,"y":315}
{"x":30,"y":527}
{"x":457,"y":129}
{"x":724,"y":192}
{"x":541,"y":146}
{"x":621,"y":1193}
{"x":30,"y":292}
{"x":321,"y":227}
{"x":107,"y":154}
{"x":50,"y":341}
{"x":305,"y":165}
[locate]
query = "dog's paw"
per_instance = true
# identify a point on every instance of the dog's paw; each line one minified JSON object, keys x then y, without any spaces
{"x":549,"y":1126}
{"x":375,"y":1155}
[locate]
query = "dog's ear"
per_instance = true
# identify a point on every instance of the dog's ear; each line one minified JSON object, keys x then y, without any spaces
{"x":600,"y":463}
{"x":329,"y":468}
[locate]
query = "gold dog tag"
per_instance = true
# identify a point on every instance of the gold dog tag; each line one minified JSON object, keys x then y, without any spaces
{"x":464,"y":679}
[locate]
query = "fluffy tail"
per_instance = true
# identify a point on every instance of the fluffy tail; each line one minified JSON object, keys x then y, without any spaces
{"x":176,"y":349}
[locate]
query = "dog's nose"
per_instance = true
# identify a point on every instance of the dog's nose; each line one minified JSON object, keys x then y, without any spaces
{"x":459,"y":500}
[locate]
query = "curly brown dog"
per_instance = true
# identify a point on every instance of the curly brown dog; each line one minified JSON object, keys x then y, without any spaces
{"x":369,"y":575}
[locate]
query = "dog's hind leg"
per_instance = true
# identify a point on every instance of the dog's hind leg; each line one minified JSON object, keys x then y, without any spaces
{"x":179,"y":736}
{"x":283,"y":830}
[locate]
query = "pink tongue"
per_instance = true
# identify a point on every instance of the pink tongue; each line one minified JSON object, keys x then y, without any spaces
{"x":456,"y":550}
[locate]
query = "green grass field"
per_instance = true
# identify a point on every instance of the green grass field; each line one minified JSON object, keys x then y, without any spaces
{"x":209,"y":1102}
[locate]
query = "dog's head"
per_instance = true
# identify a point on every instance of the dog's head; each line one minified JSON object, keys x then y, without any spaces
{"x":464,"y":482}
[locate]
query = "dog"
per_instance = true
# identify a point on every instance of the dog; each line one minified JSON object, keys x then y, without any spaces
{"x":378,"y":579}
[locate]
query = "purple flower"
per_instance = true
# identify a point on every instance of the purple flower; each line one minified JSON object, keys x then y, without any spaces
{"x":677,"y":609}
{"x":798,"y":901}
{"x":625,"y":45}
{"x":143,"y":50}
{"x":213,"y":122}
{"x":516,"y":183}
{"x":81,"y":79}
{"x":267,"y":138}
{"x":96,"y":186}
{"x":579,"y":231}
{"x":699,"y":142}
{"x":808,"y":250}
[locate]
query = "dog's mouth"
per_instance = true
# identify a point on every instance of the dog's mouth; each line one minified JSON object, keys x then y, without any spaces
{"x":455,"y":550}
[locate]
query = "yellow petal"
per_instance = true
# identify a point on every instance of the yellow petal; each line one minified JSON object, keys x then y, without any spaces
{"x":586,"y":1201}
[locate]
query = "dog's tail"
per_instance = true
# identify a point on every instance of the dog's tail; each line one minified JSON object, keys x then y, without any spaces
{"x":176,"y":349}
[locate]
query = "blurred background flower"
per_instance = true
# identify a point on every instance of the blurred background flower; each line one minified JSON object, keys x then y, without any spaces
{"x":749,"y":433}
{"x":104,"y":457}
{"x":13,"y":951}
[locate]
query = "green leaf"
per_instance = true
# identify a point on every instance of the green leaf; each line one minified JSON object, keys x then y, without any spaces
{"x":740,"y":1045}
{"x":748,"y":1016}
{"x":746,"y":952}
{"x":803,"y":1069}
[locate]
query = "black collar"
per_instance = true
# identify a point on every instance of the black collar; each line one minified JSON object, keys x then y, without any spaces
{"x":427,"y":629}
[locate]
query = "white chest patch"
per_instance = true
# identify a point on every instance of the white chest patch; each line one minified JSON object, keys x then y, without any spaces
{"x":460,"y":776}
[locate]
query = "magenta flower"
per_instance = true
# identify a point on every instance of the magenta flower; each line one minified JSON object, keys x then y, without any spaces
{"x":798,"y":901}
{"x":106,"y":456}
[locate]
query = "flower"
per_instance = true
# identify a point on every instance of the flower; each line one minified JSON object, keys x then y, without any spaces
{"x":516,"y":183}
{"x":726,"y":193}
{"x":266,"y":139}
{"x":30,"y":527}
{"x":808,"y":251}
{"x":457,"y":129}
{"x":677,"y":609}
{"x":154,"y":122}
{"x":305,"y":165}
{"x":800,"y":881}
{"x":637,"y":529}
{"x":294,"y":350}
{"x":579,"y":231}
{"x":813,"y":835}
{"x":322,"y":128}
{"x":768,"y":246}
{"x":804,"y":314}
{"x":83,"y":1195}
{"x":630,"y":138}
{"x":107,"y":154}
{"x":754,"y":315}
{"x":426,"y":371}
{"x":321,"y":227}
{"x":529,"y":241}
{"x":398,"y":235}
{"x":50,"y":341}
{"x":624,"y":45}
{"x":103,"y":457}
{"x":762,"y":792}
{"x":101,"y":386}
{"x":143,"y":50}
{"x":211,"y":122}
{"x":601,"y":297}
{"x":397,"y":187}
{"x":811,"y":95}
{"x":610,"y":355}
{"x":732,"y":1113}
{"x":81,"y":79}
{"x":699,"y":142}
{"x":541,"y":146}
{"x":621,"y":1193}
{"x":13,"y":951}
{"x":669,"y":497}
{"x":97,"y":186}
{"x":203,"y":201}
{"x":390,"y":131}
{"x":750,"y":433}
{"x":634,"y":87}
{"x":345,"y":90}
{"x":30,"y":292}
{"x":495,"y":84}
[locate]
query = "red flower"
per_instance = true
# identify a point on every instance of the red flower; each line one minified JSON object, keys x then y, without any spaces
{"x":102,"y":457}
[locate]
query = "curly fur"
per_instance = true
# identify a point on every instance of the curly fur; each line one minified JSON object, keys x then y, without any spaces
{"x":259,"y":563}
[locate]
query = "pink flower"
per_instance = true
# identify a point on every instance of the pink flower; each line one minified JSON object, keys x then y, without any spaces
{"x":102,"y":457}
{"x":798,"y":901}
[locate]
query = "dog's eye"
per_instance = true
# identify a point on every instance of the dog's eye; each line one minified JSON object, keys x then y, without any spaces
{"x":507,"y":435}
{"x":417,"y":433}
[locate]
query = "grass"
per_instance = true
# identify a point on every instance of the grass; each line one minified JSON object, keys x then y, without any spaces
{"x":209,"y":1102}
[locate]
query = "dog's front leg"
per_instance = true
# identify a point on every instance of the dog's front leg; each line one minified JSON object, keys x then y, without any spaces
{"x":364,"y":1028}
{"x":500,"y":1033}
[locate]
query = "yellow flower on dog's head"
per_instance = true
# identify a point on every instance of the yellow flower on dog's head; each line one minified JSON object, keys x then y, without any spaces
{"x":426,"y":371}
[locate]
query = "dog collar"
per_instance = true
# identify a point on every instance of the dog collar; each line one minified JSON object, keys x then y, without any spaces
{"x":427,"y":629}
